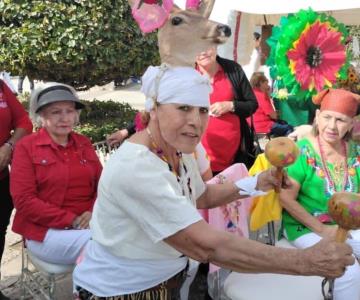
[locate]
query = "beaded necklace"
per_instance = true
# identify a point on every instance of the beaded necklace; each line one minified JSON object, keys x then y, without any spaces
{"x":160,"y":153}
{"x":326,"y":170}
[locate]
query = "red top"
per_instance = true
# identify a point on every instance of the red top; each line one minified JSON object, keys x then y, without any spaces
{"x":262,"y":120}
{"x":222,"y":136}
{"x":51,"y":184}
{"x":12,"y":116}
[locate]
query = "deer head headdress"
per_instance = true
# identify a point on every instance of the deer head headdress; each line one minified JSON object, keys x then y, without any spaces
{"x":186,"y":33}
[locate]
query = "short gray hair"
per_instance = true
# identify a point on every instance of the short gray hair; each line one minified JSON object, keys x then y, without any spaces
{"x":35,"y":109}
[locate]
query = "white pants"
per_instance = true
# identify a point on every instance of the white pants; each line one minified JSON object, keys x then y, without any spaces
{"x":60,"y":246}
{"x":348,"y":286}
{"x":216,"y":282}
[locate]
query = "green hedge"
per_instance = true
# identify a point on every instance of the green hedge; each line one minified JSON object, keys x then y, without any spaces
{"x":81,"y":43}
{"x":100,"y":118}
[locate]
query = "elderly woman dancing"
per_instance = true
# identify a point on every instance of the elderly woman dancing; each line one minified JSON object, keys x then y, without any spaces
{"x":145,"y":223}
{"x":54,"y":178}
{"x":329,"y":162}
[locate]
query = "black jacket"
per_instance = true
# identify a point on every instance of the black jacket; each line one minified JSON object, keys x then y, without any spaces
{"x":245,"y":102}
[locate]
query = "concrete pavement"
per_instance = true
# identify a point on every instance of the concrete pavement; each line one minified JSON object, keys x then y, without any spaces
{"x":129,"y":93}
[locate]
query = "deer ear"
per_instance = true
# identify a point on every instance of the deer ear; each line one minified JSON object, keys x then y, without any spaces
{"x":206,"y":7}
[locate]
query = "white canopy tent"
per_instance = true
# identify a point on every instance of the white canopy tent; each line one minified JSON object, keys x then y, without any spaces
{"x":285,"y":6}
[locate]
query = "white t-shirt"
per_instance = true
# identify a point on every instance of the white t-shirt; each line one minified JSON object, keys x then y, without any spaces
{"x":140,"y":203}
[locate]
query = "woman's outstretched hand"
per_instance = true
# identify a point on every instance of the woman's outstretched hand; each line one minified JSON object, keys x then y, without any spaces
{"x":117,"y":137}
{"x":267,"y":180}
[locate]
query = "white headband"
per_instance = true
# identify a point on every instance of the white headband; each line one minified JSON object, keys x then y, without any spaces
{"x":181,"y":85}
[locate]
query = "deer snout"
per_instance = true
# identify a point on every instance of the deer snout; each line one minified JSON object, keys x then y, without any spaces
{"x":224,"y":30}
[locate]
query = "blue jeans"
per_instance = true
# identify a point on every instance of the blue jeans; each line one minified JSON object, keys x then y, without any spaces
{"x":281,"y":129}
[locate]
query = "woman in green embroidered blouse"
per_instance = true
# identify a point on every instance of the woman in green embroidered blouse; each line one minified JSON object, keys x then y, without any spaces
{"x":328,"y":162}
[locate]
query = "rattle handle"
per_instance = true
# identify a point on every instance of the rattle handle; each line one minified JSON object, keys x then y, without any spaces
{"x":341,"y":235}
{"x":279,"y":177}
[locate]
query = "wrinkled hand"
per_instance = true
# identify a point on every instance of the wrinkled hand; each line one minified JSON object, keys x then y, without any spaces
{"x":117,"y":137}
{"x":5,"y":156}
{"x":328,"y":231}
{"x":300,"y":132}
{"x":267,"y":180}
{"x":82,"y":221}
{"x":219,"y":108}
{"x":327,"y":259}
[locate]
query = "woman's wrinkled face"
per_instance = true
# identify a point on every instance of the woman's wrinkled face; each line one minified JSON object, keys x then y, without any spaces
{"x":332,"y":125}
{"x":206,"y":58}
{"x":181,"y":125}
{"x":59,"y":118}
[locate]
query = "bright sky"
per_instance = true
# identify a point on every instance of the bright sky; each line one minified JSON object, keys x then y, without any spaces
{"x":220,"y":12}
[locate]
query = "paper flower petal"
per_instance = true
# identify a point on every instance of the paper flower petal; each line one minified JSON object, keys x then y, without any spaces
{"x":151,"y":16}
{"x":308,"y":52}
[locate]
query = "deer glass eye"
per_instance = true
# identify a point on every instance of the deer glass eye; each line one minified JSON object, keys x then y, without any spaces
{"x":176,"y":21}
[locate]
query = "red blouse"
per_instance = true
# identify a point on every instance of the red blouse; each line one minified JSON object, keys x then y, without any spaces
{"x":222,"y":136}
{"x":262,"y":120}
{"x":12,"y":116}
{"x":51,"y":184}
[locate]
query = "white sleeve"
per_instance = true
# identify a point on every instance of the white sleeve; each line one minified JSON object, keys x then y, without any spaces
{"x":151,"y":196}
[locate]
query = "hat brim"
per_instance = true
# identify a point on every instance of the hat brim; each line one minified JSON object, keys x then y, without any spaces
{"x":57,"y":96}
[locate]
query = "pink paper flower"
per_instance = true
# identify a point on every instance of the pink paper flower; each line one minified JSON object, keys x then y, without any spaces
{"x":317,"y":56}
{"x":192,"y":4}
{"x":150,"y":15}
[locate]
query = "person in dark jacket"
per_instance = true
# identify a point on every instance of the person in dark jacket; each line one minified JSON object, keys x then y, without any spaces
{"x":231,"y":102}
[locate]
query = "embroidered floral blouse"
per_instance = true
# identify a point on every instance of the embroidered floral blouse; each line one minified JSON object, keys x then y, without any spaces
{"x":316,"y":189}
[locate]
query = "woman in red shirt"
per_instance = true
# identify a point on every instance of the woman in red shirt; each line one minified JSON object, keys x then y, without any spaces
{"x":231,"y":101}
{"x":265,"y":118}
{"x":54,"y":178}
{"x":14,"y":124}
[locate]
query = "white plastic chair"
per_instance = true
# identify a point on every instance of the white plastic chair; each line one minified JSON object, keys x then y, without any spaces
{"x":49,"y":273}
{"x":243,"y":286}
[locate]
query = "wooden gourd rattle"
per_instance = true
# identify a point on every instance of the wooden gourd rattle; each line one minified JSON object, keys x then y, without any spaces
{"x":281,"y":152}
{"x":344,"y":209}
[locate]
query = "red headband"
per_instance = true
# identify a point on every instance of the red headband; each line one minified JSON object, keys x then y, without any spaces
{"x":338,"y":100}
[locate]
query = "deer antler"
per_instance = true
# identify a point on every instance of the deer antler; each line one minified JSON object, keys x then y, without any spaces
{"x":206,"y":7}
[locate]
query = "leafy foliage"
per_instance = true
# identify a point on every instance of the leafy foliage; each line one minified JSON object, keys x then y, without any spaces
{"x":78,"y":42}
{"x":99,"y":118}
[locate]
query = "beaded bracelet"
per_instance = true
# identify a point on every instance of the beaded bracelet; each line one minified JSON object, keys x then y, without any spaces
{"x":10,"y":144}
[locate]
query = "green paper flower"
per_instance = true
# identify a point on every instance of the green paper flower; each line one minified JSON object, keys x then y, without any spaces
{"x":299,"y":60}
